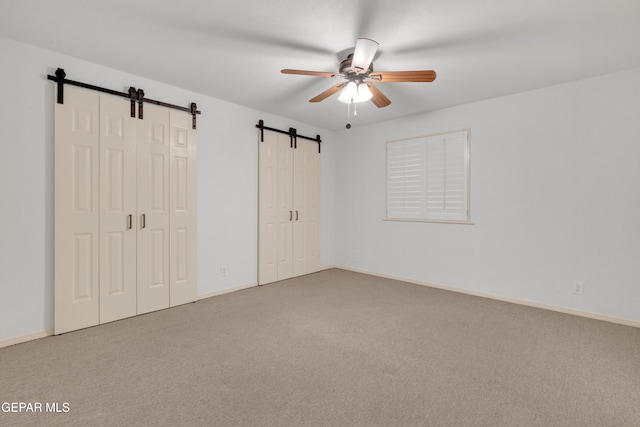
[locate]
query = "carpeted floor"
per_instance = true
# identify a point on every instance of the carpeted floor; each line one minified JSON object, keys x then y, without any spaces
{"x":334,"y":348}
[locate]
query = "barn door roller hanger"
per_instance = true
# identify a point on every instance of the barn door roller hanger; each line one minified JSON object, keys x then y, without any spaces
{"x":135,"y":96}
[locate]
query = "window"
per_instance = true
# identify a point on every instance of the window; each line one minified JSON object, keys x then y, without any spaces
{"x":428,"y":178}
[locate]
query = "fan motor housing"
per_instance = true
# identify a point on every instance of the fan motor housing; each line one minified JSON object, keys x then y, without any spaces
{"x":345,"y":68}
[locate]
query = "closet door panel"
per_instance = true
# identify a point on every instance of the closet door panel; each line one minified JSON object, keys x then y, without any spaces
{"x":117,"y":210}
{"x":285,"y":207}
{"x":268,"y":225}
{"x":182,"y":215}
{"x":312,"y":205}
{"x":153,"y":209}
{"x":299,"y":206}
{"x":77,"y":211}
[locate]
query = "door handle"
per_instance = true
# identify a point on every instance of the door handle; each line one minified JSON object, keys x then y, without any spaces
{"x":290,"y":215}
{"x":296,"y":215}
{"x":143,"y":221}
{"x":129,"y":221}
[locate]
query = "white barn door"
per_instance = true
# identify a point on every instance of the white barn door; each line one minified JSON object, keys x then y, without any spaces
{"x":125,"y":210}
{"x":117,"y":210}
{"x":289,"y":207}
{"x":268,"y":209}
{"x":284,"y":192}
{"x":301,"y":163}
{"x":182,"y":216}
{"x":306,"y":200}
{"x":153,"y":209}
{"x":77,"y":211}
{"x":312,"y":206}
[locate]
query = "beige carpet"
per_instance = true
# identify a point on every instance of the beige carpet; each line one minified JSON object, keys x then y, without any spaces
{"x":334,"y":348}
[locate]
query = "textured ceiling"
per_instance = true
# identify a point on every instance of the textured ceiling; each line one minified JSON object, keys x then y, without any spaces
{"x":234,"y":50}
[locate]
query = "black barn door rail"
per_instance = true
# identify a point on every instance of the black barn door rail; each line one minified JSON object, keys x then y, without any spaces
{"x":133,"y":95}
{"x":292,"y":132}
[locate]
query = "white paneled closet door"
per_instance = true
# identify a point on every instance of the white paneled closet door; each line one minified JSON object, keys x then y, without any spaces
{"x":117,"y":210}
{"x":153,"y":209}
{"x":77,"y":211}
{"x":267,"y":208}
{"x":284,"y":191}
{"x":289,"y":203}
{"x":306,"y":198}
{"x":268,"y":223}
{"x":182,"y":215}
{"x":275,"y":235}
{"x":311,"y":218}
{"x":125,"y":210}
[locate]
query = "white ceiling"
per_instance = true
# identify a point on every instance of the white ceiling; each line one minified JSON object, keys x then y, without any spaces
{"x":234,"y":50}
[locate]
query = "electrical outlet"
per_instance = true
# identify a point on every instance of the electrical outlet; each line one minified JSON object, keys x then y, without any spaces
{"x":578,"y":288}
{"x":223,"y":271}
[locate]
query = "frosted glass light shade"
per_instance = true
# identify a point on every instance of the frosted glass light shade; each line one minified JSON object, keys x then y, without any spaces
{"x":364,"y":94}
{"x":344,"y":98}
{"x":355,"y":93}
{"x":349,"y":93}
{"x":351,"y":90}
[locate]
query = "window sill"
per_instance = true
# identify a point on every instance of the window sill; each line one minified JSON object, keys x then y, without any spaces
{"x":437,"y":221}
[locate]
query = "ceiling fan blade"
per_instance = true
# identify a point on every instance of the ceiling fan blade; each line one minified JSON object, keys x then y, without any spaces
{"x":378,"y":98}
{"x":327,"y":93}
{"x":404,"y":76}
{"x":309,"y":73}
{"x":363,"y":55}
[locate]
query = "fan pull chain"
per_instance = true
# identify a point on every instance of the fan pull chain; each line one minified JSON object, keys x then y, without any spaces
{"x":348,"y":115}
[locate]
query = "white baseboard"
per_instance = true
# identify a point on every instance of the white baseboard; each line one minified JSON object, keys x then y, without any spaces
{"x":572,"y":311}
{"x":227,"y":290}
{"x":24,"y":338}
{"x":581,"y":313}
{"x":49,"y":332}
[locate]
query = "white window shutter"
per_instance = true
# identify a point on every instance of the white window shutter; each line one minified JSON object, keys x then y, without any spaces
{"x":405,"y":180}
{"x":436,"y":176}
{"x":427,"y":178}
{"x":447,"y":177}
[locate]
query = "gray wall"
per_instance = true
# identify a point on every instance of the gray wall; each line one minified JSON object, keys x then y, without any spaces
{"x":555,"y":197}
{"x":227,"y":182}
{"x":554,"y":193}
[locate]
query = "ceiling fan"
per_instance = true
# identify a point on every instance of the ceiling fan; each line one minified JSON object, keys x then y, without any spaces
{"x":358,"y":75}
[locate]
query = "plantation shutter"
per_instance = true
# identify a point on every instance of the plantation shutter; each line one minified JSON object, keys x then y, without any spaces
{"x":427,"y":178}
{"x":405,"y":184}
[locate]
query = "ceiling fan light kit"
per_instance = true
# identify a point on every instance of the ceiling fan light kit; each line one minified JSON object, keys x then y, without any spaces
{"x":355,"y":92}
{"x":358,"y":72}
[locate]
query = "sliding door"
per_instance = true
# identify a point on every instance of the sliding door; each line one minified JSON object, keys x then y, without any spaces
{"x":125,"y":210}
{"x":289,"y":207}
{"x":306,"y":200}
{"x":77,"y":211}
{"x":153,"y":209}
{"x":183,"y":280}
{"x":117,"y":210}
